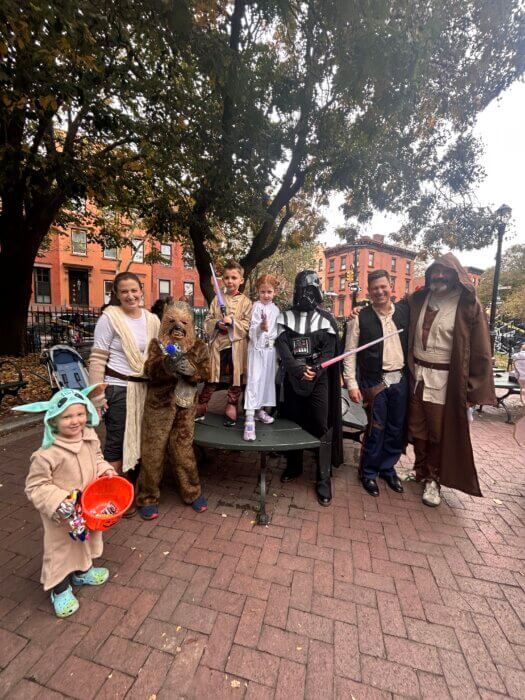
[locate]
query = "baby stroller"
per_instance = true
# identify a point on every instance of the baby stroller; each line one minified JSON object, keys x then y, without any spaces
{"x":65,"y":367}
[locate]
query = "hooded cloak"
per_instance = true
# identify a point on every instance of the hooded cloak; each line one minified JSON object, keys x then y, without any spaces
{"x":470,"y":379}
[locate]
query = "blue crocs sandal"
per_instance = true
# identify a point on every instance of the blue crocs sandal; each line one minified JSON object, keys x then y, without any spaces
{"x":95,"y":576}
{"x":65,"y":603}
{"x":199,"y":505}
{"x":150,"y":512}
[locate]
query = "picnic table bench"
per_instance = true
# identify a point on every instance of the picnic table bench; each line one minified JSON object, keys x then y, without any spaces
{"x":502,"y":382}
{"x":354,"y":417}
{"x":281,"y":436}
{"x":11,"y":387}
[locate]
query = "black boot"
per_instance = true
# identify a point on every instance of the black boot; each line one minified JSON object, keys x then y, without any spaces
{"x":323,"y":487}
{"x":294,"y":466}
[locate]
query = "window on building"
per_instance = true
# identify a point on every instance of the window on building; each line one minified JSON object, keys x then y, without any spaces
{"x":407,"y":286}
{"x":164,"y":288}
{"x":394,"y":264}
{"x":342,"y":283}
{"x":341,"y":306}
{"x":165,"y":251}
{"x":330,"y":284}
{"x":108,"y":287}
{"x":78,"y":241}
{"x":320,"y":266}
{"x":137,"y":247}
{"x":393,"y":283}
{"x":343,"y":262}
{"x":331,"y":264}
{"x":188,"y":260}
{"x":42,"y":285}
{"x":189,"y":292}
{"x":407,"y":267}
{"x":370,"y":260}
{"x":109,"y":253}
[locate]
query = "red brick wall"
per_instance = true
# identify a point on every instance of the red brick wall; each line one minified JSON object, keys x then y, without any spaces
{"x":402,"y":275}
{"x":178,"y":275}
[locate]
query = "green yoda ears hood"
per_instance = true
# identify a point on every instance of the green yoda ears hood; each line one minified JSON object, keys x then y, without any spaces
{"x":62,"y":400}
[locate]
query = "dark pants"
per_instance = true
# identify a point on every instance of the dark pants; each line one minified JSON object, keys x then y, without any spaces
{"x":384,"y":440}
{"x":425,"y":426}
{"x":311,"y":413}
{"x":226,"y":377}
{"x":115,"y":420}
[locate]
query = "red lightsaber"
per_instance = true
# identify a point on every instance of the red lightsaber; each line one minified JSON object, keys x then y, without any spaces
{"x":353,"y":351}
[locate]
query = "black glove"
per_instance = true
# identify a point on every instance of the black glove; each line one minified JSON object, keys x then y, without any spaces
{"x":178,"y":364}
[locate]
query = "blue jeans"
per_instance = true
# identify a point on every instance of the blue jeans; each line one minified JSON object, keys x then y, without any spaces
{"x":384,"y":443}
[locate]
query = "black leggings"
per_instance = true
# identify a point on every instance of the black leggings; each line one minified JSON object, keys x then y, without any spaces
{"x":65,"y":583}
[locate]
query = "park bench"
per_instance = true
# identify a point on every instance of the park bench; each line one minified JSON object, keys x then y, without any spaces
{"x":281,"y":436}
{"x":10,"y":387}
{"x":354,"y":417}
{"x":502,"y":382}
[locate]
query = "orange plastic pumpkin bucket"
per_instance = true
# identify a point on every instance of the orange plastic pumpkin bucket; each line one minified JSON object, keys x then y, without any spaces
{"x":105,"y":500}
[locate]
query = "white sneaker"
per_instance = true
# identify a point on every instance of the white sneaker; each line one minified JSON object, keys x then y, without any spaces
{"x":405,"y":473}
{"x":249,"y":430}
{"x":431,"y":494}
{"x":264,"y":417}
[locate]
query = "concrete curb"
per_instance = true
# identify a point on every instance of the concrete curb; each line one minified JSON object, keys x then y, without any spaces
{"x":14,"y":425}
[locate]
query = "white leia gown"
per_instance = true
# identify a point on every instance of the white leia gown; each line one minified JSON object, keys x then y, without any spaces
{"x":260,"y":387}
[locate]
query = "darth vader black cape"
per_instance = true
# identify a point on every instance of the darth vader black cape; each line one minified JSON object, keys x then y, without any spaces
{"x":291,"y":331}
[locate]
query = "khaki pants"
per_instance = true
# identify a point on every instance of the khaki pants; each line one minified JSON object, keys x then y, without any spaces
{"x":425,"y":426}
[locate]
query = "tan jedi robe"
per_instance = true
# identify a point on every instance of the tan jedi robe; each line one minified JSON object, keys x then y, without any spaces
{"x":470,"y":378}
{"x":53,"y":474}
{"x":240,"y":308}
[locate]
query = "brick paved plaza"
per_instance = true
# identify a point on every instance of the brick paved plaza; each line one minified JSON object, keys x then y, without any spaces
{"x":369,"y":598}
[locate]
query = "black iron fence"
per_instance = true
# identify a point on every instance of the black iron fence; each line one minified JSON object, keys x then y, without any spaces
{"x":53,"y":325}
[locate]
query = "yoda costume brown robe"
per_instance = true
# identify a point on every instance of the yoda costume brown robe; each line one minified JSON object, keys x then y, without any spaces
{"x":169,"y":410}
{"x":470,"y":381}
{"x":54,"y":472}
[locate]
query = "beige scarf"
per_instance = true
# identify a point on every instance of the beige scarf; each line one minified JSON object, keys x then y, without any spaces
{"x":136,"y":391}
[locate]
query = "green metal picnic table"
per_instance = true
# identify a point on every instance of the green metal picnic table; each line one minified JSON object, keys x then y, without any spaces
{"x":281,"y":436}
{"x":354,"y":417}
{"x":502,"y":382}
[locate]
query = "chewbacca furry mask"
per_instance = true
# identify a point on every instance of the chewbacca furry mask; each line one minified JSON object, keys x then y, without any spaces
{"x":177,"y":325}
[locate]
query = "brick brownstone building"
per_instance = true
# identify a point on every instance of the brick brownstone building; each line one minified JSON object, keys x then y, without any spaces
{"x":336,"y":268}
{"x":74,"y":272}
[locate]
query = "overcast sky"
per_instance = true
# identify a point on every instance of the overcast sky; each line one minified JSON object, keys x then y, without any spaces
{"x":502,"y":127}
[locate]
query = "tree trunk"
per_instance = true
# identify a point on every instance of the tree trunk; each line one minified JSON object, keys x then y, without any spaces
{"x":17,"y":256}
{"x":199,"y":231}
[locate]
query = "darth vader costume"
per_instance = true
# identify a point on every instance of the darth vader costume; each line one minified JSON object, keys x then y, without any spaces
{"x":307,"y":336}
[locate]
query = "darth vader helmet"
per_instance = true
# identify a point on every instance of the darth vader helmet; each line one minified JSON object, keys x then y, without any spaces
{"x":307,"y":291}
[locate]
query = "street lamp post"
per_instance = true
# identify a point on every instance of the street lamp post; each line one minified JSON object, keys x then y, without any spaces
{"x":355,"y":284}
{"x":503,"y":215}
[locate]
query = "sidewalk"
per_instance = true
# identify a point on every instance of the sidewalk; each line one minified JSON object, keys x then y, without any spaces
{"x":371,"y":598}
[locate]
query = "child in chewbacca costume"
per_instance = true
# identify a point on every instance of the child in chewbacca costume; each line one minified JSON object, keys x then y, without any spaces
{"x":169,"y":411}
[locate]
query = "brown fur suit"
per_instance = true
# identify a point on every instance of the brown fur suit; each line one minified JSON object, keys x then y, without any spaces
{"x":169,"y":411}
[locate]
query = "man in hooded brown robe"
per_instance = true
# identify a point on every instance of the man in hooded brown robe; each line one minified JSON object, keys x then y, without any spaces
{"x":451,"y":365}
